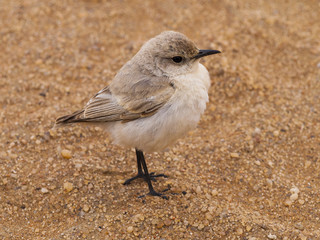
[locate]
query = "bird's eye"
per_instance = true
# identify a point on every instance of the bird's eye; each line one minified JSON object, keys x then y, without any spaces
{"x":177,"y":59}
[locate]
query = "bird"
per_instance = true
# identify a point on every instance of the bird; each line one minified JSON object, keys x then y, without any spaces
{"x":155,"y":98}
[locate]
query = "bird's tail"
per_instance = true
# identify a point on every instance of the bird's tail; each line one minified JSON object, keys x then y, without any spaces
{"x":75,"y":117}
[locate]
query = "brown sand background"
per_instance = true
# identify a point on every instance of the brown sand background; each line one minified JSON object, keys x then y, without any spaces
{"x":251,"y":170}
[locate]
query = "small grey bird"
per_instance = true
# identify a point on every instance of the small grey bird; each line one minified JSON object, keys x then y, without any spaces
{"x":155,"y":98}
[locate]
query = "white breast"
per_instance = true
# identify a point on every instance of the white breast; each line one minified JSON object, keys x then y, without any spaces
{"x":180,"y":115}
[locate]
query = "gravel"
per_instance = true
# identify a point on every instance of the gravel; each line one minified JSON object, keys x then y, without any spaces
{"x":249,"y":171}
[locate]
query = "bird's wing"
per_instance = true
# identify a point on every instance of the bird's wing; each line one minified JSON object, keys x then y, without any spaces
{"x":141,"y":99}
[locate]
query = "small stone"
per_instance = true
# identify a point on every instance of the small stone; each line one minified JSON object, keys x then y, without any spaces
{"x":208,"y":196}
{"x":276,"y":133}
{"x":198,"y":190}
{"x":214,"y":192}
{"x":288,"y":203}
{"x":209,"y":216}
{"x":248,"y":228}
{"x":86,"y":208}
{"x":78,"y":165}
{"x":294,"y":197}
{"x":68,"y":187}
{"x":302,"y":237}
{"x":301,"y":201}
{"x":307,"y":164}
{"x":175,"y":210}
{"x":167,"y":222}
{"x":37,"y":230}
{"x":211,"y":209}
{"x":44,"y":190}
{"x":257,"y":130}
{"x":201,"y":226}
{"x":4,"y":181}
{"x":66,"y":154}
{"x":299,"y":226}
{"x":272,"y":236}
{"x":138,"y":217}
{"x":269,"y":182}
{"x":121,"y":181}
{"x":234,"y":155}
{"x":130,"y":229}
{"x":159,"y":225}
{"x":294,"y":190}
{"x":239,"y":231}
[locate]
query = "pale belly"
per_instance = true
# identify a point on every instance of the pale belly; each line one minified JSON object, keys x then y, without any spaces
{"x":176,"y":118}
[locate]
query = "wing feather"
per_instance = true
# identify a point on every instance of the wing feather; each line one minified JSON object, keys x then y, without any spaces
{"x":144,"y":98}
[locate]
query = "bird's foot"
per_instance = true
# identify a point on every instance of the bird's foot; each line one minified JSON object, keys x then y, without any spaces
{"x":152,"y":175}
{"x":157,"y":194}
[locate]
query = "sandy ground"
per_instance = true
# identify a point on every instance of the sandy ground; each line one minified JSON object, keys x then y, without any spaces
{"x":251,"y":170}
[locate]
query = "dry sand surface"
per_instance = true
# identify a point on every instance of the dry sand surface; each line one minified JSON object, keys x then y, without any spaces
{"x":251,"y":170}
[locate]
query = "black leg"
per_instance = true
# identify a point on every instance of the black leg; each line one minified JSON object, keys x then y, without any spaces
{"x":147,"y":176}
{"x":141,"y":174}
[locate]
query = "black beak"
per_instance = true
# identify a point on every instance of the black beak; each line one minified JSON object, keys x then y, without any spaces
{"x":203,"y":53}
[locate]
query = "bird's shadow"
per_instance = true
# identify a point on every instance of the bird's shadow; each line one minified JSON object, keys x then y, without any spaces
{"x":112,"y":173}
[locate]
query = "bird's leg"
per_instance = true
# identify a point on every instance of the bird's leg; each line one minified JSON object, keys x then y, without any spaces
{"x":147,"y":177}
{"x":141,"y":174}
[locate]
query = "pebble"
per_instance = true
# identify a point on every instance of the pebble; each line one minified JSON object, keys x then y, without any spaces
{"x":299,"y":226}
{"x":257,"y":130}
{"x":214,"y":192}
{"x":86,"y":208}
{"x":248,"y":228}
{"x":66,"y":154}
{"x":276,"y":133}
{"x":239,"y":231}
{"x":130,"y":229}
{"x":307,"y":164}
{"x":121,"y":181}
{"x":271,"y":236}
{"x":5,"y":181}
{"x":234,"y":155}
{"x":211,"y":209}
{"x":302,"y":237}
{"x":201,"y":226}
{"x":159,"y":225}
{"x":209,"y":216}
{"x":208,"y":196}
{"x":167,"y":222}
{"x":68,"y":187}
{"x":44,"y":190}
{"x":78,"y":165}
{"x":294,"y":190}
{"x":138,"y":217}
{"x":288,"y":203}
{"x":269,"y":182}
{"x":198,"y":190}
{"x":294,"y":197}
